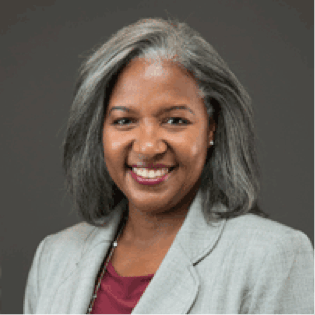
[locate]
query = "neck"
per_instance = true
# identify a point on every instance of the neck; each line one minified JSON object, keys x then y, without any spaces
{"x":145,"y":228}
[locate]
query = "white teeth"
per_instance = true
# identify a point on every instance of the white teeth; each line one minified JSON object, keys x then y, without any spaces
{"x":144,"y":172}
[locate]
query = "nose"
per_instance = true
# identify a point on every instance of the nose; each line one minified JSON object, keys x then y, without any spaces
{"x":148,"y":141}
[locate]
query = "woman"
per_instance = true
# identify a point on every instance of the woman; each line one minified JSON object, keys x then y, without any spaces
{"x":160,"y":160}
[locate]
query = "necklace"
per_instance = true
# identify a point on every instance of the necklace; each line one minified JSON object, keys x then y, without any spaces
{"x":103,"y":270}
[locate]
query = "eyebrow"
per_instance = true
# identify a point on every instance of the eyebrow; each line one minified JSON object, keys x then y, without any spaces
{"x":163,"y":110}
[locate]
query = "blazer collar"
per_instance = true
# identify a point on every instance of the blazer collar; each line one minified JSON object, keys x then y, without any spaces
{"x":107,"y":232}
{"x":75,"y":291}
{"x":174,"y":287}
{"x":196,"y":236}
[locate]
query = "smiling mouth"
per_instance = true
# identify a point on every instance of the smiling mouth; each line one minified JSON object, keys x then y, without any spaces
{"x":148,"y":173}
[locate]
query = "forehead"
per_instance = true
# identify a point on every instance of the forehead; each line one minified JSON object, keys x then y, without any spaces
{"x":144,"y":81}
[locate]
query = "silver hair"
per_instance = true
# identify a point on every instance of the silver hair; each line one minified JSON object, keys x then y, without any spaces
{"x":231,"y":173}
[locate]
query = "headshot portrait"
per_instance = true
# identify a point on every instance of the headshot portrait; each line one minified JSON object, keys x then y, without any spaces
{"x":160,"y":157}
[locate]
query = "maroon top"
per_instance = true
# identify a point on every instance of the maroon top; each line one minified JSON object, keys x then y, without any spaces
{"x":117,"y":294}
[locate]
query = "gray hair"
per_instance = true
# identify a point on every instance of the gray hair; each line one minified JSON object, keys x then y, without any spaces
{"x":231,"y":173}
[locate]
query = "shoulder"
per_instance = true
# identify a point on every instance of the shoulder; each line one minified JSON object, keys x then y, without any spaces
{"x":69,"y":242}
{"x":55,"y":256}
{"x":73,"y":236}
{"x":262,"y":229}
{"x":84,"y":236}
{"x":256,"y":238}
{"x":72,"y":243}
{"x":275,"y":263}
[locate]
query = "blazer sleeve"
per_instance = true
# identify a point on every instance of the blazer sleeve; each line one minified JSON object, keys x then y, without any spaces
{"x":33,"y":281}
{"x":285,"y":282}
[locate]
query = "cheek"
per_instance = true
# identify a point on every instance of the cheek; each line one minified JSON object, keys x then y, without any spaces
{"x":192,"y":151}
{"x":199,"y":144}
{"x":112,"y":146}
{"x":197,"y":155}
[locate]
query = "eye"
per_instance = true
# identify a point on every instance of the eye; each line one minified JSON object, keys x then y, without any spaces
{"x":122,"y":122}
{"x":177,"y":121}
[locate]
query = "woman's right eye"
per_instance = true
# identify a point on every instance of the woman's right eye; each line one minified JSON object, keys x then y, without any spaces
{"x":122,"y":122}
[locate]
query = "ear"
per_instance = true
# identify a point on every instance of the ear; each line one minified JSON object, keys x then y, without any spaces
{"x":211,"y":131}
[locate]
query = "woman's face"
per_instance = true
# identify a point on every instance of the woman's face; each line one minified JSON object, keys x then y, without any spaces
{"x":156,"y":135}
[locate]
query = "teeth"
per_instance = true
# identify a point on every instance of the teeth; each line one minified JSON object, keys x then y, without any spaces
{"x":144,"y":172}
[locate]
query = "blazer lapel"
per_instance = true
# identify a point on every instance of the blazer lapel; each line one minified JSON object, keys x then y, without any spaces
{"x":75,"y":290}
{"x":174,"y":288}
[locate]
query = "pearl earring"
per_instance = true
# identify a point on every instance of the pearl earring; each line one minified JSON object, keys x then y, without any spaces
{"x":211,"y":142}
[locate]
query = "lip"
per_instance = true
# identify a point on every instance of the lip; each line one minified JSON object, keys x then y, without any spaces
{"x":151,"y":166}
{"x":148,"y":181}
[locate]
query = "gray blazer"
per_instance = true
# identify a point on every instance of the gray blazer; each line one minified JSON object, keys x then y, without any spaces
{"x":242,"y":265}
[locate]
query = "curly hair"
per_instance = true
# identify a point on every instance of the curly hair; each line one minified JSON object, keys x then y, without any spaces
{"x":231,"y":173}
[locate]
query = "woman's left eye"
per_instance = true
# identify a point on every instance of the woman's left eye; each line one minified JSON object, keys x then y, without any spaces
{"x":177,"y":121}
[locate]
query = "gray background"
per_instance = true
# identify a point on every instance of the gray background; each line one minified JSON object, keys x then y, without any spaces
{"x":268,"y":45}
